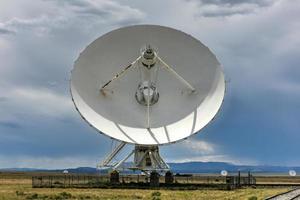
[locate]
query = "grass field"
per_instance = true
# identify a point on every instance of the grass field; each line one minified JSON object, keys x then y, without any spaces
{"x":13,"y":188}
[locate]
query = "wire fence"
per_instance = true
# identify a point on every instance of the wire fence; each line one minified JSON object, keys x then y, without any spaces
{"x":82,"y":181}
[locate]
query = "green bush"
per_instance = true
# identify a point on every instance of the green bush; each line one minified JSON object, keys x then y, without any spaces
{"x":59,"y":196}
{"x":20,"y":193}
{"x":66,"y":195}
{"x":33,"y":196}
{"x":156,"y":195}
{"x":252,"y":198}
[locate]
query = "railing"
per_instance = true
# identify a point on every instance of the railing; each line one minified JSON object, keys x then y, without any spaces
{"x":81,"y":181}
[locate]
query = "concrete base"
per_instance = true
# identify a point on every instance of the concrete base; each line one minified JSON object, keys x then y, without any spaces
{"x":169,"y":177}
{"x":114,"y":177}
{"x":154,"y":179}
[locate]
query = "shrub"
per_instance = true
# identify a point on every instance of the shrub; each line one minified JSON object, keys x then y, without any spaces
{"x":63,"y":195}
{"x":66,"y":195}
{"x":20,"y":193}
{"x":33,"y":196}
{"x":156,"y":195}
{"x":252,"y":198}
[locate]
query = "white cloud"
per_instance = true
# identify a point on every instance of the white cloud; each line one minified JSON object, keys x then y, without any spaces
{"x":199,"y":150}
{"x":198,"y":146}
{"x":35,"y":102}
{"x":84,"y":13}
{"x":47,"y":162}
{"x":285,"y":87}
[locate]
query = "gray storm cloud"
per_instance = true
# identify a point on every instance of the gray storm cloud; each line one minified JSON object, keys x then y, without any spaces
{"x":257,"y":42}
{"x":220,"y":8}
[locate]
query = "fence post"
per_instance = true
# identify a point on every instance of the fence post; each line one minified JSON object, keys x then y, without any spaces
{"x":249,"y":176}
{"x":239,"y":179}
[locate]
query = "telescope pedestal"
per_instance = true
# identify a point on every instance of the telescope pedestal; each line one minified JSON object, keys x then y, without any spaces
{"x":146,"y":158}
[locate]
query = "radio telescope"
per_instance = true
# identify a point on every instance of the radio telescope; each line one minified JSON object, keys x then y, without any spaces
{"x":147,"y":85}
{"x":292,"y":173}
{"x":224,"y":173}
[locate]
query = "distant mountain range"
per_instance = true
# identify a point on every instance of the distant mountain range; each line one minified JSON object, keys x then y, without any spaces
{"x":186,"y":168}
{"x":216,"y":167}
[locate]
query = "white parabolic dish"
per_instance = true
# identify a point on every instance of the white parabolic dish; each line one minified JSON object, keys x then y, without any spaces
{"x":178,"y":113}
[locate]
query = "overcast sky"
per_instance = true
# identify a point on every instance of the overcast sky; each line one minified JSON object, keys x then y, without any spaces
{"x":257,"y":42}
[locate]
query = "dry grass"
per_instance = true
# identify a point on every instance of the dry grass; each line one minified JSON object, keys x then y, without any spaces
{"x":20,"y":188}
{"x":277,"y":179}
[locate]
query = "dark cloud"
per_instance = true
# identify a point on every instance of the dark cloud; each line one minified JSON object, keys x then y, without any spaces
{"x":54,"y":40}
{"x":226,"y":12}
{"x":5,"y":31}
{"x":3,"y":99}
{"x":10,"y":124}
{"x":83,"y":7}
{"x":259,"y":53}
{"x":74,"y":14}
{"x":51,"y":137}
{"x":238,"y":2}
{"x":94,"y":11}
{"x":108,"y":10}
{"x":223,"y":8}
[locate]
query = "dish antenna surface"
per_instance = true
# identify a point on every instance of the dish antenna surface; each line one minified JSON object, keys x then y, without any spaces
{"x":292,"y":173}
{"x":147,"y":85}
{"x":224,"y":173}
